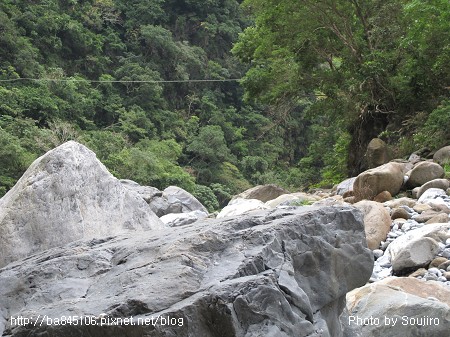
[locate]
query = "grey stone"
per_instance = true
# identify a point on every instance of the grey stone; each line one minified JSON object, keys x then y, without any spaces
{"x":154,"y":197}
{"x":435,"y":271}
{"x":345,"y":186}
{"x":384,"y":261}
{"x":406,"y":227}
{"x":67,"y":195}
{"x":431,"y":195}
{"x":446,"y":253}
{"x":431,"y":277}
{"x":178,"y":196}
{"x":417,"y":248}
{"x":377,"y":253}
{"x":275,"y":273}
{"x":384,"y":245}
{"x":414,"y":158}
{"x":145,"y":192}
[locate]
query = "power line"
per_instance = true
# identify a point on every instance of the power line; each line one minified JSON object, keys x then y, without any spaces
{"x":114,"y":81}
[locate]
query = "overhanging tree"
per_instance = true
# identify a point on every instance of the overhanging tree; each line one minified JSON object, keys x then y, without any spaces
{"x":366,"y":64}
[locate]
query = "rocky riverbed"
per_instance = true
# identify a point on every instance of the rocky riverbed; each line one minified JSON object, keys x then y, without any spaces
{"x":84,"y":254}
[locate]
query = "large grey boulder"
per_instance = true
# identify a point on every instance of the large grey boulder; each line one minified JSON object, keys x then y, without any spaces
{"x":418,"y":247}
{"x":154,"y":197}
{"x":275,"y":273}
{"x":67,"y":195}
{"x":398,"y":307}
{"x":178,"y":197}
{"x":433,"y":195}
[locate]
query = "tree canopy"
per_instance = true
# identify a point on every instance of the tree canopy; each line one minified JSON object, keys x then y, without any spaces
{"x":319,"y":80}
{"x":368,"y":66}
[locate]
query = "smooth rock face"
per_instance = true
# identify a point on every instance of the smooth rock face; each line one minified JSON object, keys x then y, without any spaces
{"x":418,"y":247}
{"x":147,"y":193}
{"x":154,"y":197}
{"x":424,"y":172}
{"x":67,"y":195}
{"x":241,"y":206}
{"x":275,"y":273}
{"x":377,"y":222}
{"x":345,"y":186}
{"x":370,"y":183}
{"x":406,"y":300}
{"x":262,"y":192}
{"x":176,"y":196}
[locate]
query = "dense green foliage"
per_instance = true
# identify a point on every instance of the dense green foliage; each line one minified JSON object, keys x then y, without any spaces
{"x":370,"y":67}
{"x":99,"y":65}
{"x":320,"y":77}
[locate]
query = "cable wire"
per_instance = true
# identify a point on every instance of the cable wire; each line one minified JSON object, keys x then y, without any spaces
{"x":114,"y":81}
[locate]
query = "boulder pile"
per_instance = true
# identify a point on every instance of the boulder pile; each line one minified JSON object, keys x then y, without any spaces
{"x":406,"y":211}
{"x":112,"y":268}
{"x":368,"y":258}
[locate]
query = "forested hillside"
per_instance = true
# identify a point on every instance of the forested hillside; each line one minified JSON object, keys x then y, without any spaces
{"x":368,"y":68}
{"x":320,"y":79}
